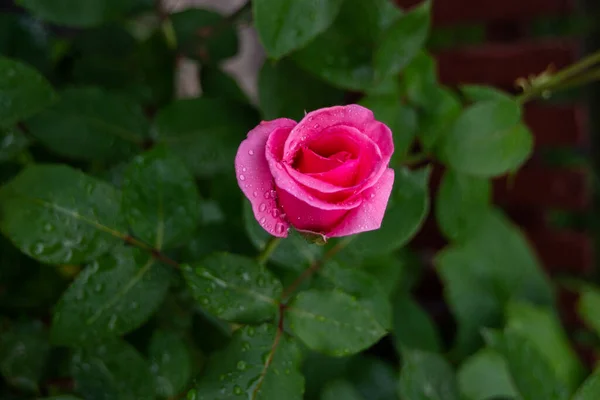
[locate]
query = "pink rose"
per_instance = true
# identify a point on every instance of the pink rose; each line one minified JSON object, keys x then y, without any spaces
{"x":327,"y":174}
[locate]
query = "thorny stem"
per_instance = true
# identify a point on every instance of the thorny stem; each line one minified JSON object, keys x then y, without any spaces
{"x":574,"y":75}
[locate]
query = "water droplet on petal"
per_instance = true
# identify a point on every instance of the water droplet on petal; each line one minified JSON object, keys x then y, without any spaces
{"x":244,"y":169}
{"x":242,"y":177}
{"x":279,"y":166}
{"x":262,"y":207}
{"x":280,"y":228}
{"x":275,"y":213}
{"x":255,"y":194}
{"x":372,"y":195}
{"x":251,"y":152}
{"x":263,"y":220}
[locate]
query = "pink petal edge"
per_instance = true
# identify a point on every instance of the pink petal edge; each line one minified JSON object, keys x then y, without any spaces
{"x":369,"y":215}
{"x":255,"y":179}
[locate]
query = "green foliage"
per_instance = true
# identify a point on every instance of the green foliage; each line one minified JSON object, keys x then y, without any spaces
{"x":23,"y":91}
{"x":286,"y":25}
{"x":132,"y":266}
{"x":333,"y":322}
{"x":234,"y":288}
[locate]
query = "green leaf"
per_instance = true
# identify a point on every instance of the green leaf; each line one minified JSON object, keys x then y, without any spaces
{"x":24,"y":350}
{"x":362,"y":286}
{"x":406,"y":210}
{"x":25,"y":39}
{"x":57,"y":214}
{"x":204,"y":35}
{"x":112,"y":370}
{"x":12,"y":143}
{"x":170,"y":363}
{"x":374,"y":378}
{"x":419,"y":80}
{"x":481,"y":275}
{"x":160,"y":199}
{"x":333,"y":322}
{"x":23,"y":92}
{"x":530,"y":371}
{"x":402,"y":41}
{"x":484,"y":376}
{"x":234,"y":288}
{"x":401,"y":119}
{"x":462,"y":202}
{"x":89,"y":124}
{"x":286,"y":25}
{"x":61,"y":397}
{"x":218,"y":84}
{"x":441,"y":109}
{"x":259,"y":363}
{"x":111,"y":297}
{"x":284,"y":90}
{"x":427,"y":376}
{"x":590,"y":389}
{"x":543,"y":328}
{"x":204,"y":132}
{"x":342,"y":55}
{"x":413,"y":328}
{"x":486,"y":139}
{"x":475,"y":93}
{"x":293,"y":252}
{"x":588,"y":307}
{"x":81,"y":14}
{"x":340,"y":389}
{"x":388,"y":269}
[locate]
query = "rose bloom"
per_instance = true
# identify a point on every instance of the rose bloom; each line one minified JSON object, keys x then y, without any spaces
{"x":327,"y":174}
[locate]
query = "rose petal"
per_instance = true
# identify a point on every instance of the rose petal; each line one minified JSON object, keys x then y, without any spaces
{"x":306,"y":217}
{"x":283,"y":180}
{"x":316,"y":121}
{"x":310,"y":162}
{"x":352,"y":115}
{"x":369,"y":214}
{"x":342,"y":176}
{"x":254,"y":176}
{"x":381,"y":134}
{"x":368,"y":170}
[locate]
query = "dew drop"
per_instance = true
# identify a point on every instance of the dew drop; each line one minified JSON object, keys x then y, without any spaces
{"x":372,"y":195}
{"x":241,"y":365}
{"x":317,"y":126}
{"x":251,"y":152}
{"x":255,"y":194}
{"x":275,"y":213}
{"x":262,"y":207}
{"x":112,"y":322}
{"x":237,"y":390}
{"x":38,"y":249}
{"x":263,"y":220}
{"x":245,"y":346}
{"x":244,"y":169}
{"x":279,"y":166}
{"x":280,"y":228}
{"x":242,"y":177}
